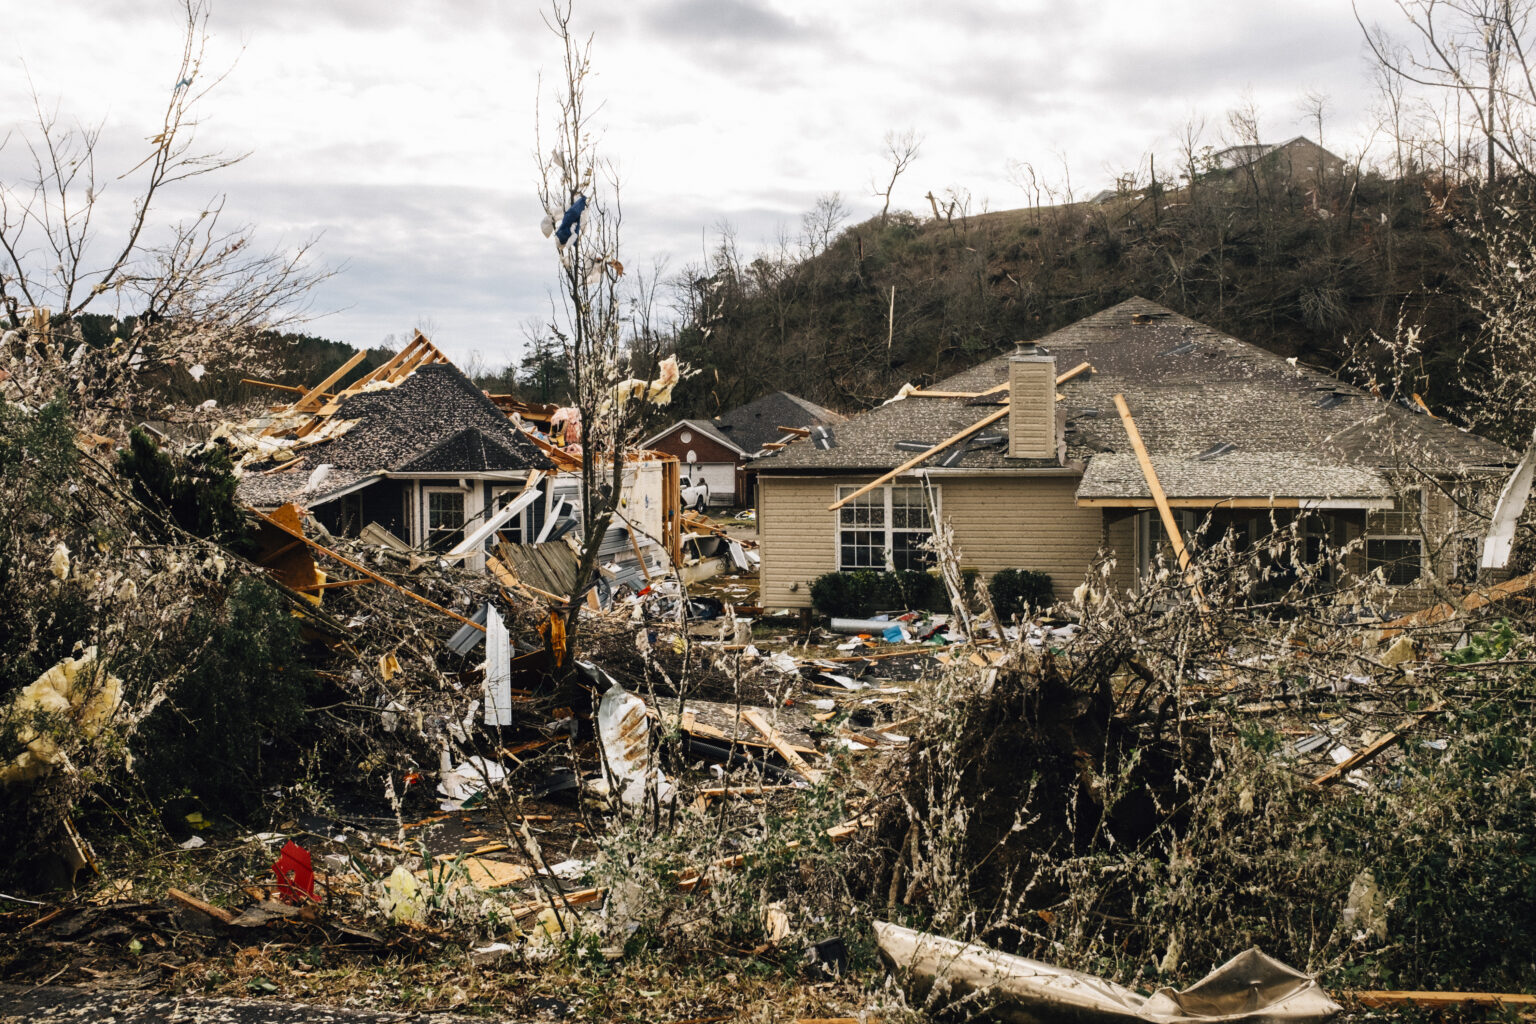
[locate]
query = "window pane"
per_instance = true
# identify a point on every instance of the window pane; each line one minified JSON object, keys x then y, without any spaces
{"x":907,"y":551}
{"x":1400,"y":558}
{"x":445,"y":519}
{"x":1399,"y":521}
{"x":861,"y":549}
{"x":866,"y":511}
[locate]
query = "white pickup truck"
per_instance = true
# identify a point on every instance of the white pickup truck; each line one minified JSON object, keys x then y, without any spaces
{"x":695,"y":495}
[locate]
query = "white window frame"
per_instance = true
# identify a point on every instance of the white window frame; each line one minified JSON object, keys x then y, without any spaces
{"x":426,"y":511}
{"x":1402,"y":522}
{"x":886,"y":527}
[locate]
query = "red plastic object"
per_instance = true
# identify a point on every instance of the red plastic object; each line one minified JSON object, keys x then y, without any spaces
{"x":295,"y":874}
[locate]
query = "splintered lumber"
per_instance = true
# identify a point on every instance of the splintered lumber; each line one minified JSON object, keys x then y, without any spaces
{"x":918,"y":459}
{"x":1079,"y":368}
{"x":480,"y":872}
{"x":702,"y":524}
{"x":187,"y":899}
{"x":1004,"y":386}
{"x":319,"y":390}
{"x":278,"y":387}
{"x":507,"y":578}
{"x":776,"y":740}
{"x":1440,"y":999}
{"x":1354,"y":761}
{"x":1472,"y":602}
{"x":1170,"y":525}
{"x":368,"y":572}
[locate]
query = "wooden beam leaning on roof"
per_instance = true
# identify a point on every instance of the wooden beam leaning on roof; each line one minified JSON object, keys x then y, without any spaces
{"x":1160,"y":499}
{"x":314,"y":393}
{"x":918,"y":459}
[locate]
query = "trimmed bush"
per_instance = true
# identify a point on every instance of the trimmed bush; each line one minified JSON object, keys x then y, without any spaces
{"x":1014,"y":590}
{"x":865,"y":592}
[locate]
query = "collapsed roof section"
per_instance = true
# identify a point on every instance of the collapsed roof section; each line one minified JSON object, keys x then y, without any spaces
{"x":417,"y":415}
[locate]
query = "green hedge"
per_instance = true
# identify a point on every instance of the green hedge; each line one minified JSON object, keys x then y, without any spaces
{"x":1014,"y":590}
{"x":864,"y":592}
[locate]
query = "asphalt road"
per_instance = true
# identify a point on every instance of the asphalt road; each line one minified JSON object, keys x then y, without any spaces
{"x":20,"y":1005}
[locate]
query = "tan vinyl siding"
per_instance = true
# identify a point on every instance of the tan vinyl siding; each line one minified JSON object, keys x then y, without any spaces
{"x":1000,"y":522}
{"x":796,"y":535}
{"x":1023,"y":523}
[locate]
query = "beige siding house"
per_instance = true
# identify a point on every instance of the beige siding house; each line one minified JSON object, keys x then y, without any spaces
{"x":1047,"y":479}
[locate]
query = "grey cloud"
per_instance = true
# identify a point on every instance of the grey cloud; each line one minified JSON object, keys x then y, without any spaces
{"x":722,"y":21}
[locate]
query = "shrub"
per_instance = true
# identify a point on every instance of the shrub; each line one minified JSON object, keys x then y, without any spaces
{"x":238,"y":717}
{"x":1014,"y":590}
{"x":865,"y":592}
{"x":197,"y":490}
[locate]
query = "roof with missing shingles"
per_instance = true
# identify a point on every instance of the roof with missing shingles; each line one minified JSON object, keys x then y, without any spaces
{"x":433,"y":421}
{"x":1292,"y":431}
{"x":755,"y":424}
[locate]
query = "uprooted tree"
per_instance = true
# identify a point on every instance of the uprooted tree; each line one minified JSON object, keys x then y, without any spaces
{"x":195,"y":293}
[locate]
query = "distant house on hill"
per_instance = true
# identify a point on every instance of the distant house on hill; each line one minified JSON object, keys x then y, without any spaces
{"x":719,"y":449}
{"x":1299,"y":160}
{"x":1045,"y":478}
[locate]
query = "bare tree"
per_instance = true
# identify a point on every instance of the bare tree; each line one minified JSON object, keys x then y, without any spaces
{"x":900,"y":149}
{"x":821,"y":223}
{"x":580,"y":192}
{"x":1479,"y":51}
{"x":196,"y":293}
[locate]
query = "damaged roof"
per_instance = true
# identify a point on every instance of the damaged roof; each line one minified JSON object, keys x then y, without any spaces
{"x":433,"y":421}
{"x":755,"y":424}
{"x":1221,"y":417}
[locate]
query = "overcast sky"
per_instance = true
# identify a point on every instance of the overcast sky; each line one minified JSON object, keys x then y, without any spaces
{"x":402,"y":133}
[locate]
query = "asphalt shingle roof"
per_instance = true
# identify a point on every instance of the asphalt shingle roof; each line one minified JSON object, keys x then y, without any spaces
{"x":433,"y":421}
{"x":755,"y":424}
{"x":1295,"y":431}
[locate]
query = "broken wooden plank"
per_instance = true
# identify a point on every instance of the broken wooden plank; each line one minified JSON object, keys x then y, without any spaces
{"x":1440,"y":999}
{"x":368,"y":572}
{"x":217,"y":913}
{"x":311,"y":396}
{"x":916,"y":460}
{"x":1079,"y":368}
{"x":1354,"y":761}
{"x":1472,"y":602}
{"x":1170,"y":525}
{"x":776,"y":740}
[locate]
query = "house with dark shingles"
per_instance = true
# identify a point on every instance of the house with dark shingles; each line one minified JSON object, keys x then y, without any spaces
{"x":1236,"y":435}
{"x":422,"y":457}
{"x":718,"y":450}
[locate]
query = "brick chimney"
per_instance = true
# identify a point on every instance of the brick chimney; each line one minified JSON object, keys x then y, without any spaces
{"x":1032,"y":430}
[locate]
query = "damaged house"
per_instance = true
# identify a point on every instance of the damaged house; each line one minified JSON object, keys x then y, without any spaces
{"x":416,"y":449}
{"x":716,"y":451}
{"x":1029,"y":460}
